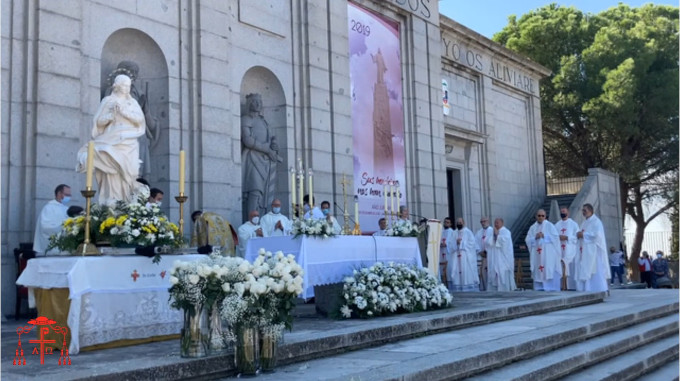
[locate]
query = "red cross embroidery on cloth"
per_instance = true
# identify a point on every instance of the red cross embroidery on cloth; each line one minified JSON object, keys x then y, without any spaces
{"x":163,"y":274}
{"x":134,"y":275}
{"x":540,"y":268}
{"x":563,"y":230}
{"x":539,"y":250}
{"x":563,"y":246}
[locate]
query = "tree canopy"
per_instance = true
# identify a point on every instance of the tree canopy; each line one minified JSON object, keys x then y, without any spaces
{"x":612,"y":98}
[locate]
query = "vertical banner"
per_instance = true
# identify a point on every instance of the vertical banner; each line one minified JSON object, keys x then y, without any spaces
{"x":377,"y":115}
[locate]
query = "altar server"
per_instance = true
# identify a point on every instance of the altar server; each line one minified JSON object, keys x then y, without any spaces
{"x":544,"y":254}
{"x":51,"y":218}
{"x":567,"y":229}
{"x":448,"y":242}
{"x":275,"y":224}
{"x":464,"y":274}
{"x":592,"y":262}
{"x":248,"y":230}
{"x":500,"y":258}
{"x":480,"y":237}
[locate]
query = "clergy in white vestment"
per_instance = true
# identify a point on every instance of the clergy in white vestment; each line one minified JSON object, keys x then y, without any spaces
{"x":592,"y":262}
{"x":567,"y":229}
{"x":404,"y":213}
{"x":482,"y":263}
{"x":544,"y":254}
{"x":330,"y":219}
{"x":313,"y":213}
{"x":382,"y":225}
{"x":464,"y":273}
{"x":50,"y":220}
{"x":275,"y":224}
{"x":449,"y":243}
{"x":248,"y":230}
{"x":501,"y":258}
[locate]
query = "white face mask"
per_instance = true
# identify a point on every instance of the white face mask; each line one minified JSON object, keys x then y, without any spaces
{"x":255,"y":220}
{"x":159,"y":204}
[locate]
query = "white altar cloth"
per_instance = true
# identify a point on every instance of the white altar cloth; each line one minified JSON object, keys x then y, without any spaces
{"x":112,"y":298}
{"x":329,"y":260}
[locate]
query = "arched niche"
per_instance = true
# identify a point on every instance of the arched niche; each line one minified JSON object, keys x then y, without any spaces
{"x":260,"y":80}
{"x":134,"y":45}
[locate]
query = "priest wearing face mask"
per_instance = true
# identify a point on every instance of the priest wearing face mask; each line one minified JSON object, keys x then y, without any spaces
{"x":248,"y":230}
{"x":332,"y":222}
{"x":313,"y":213}
{"x":275,"y":224}
{"x":545,"y":255}
{"x":462,"y":247}
{"x":50,"y":220}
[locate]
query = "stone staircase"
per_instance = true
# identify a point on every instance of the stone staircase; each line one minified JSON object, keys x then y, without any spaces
{"x":632,"y":334}
{"x":521,"y":253}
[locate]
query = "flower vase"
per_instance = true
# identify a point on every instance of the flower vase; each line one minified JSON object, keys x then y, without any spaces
{"x":194,"y":336}
{"x":269,"y":344}
{"x":216,"y":341}
{"x":246,"y":355}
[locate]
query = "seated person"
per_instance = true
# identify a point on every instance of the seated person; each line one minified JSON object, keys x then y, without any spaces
{"x":74,"y":210}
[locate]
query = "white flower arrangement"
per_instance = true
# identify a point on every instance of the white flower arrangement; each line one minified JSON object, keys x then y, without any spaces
{"x":312,"y":228}
{"x":402,"y":228}
{"x":392,"y":288}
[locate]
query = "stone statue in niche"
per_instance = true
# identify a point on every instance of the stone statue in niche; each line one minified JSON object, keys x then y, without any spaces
{"x":118,"y":123}
{"x":259,"y":158}
{"x":150,"y":138}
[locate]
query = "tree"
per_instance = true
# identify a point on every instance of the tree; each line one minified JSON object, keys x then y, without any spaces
{"x":612,"y":98}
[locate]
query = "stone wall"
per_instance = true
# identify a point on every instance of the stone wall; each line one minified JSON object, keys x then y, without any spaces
{"x":493,"y":128}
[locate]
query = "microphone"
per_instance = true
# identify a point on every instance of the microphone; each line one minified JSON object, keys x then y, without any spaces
{"x":343,"y":211}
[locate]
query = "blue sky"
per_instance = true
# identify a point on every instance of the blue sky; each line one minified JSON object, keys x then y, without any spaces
{"x":487,"y":17}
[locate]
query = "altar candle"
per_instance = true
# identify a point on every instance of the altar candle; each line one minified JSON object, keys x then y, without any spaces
{"x":301,"y":184}
{"x":356,"y":210}
{"x":292,"y":187}
{"x":311,"y":192}
{"x":392,"y":199}
{"x":181,"y":173}
{"x":385,"y":197}
{"x":90,"y":164}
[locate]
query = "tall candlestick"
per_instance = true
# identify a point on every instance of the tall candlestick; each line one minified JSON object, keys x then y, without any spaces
{"x":392,"y":199}
{"x":90,"y":165}
{"x":311,"y":191}
{"x":356,"y":210}
{"x":181,"y":173}
{"x":385,"y":197}
{"x":301,"y":184}
{"x":292,"y":191}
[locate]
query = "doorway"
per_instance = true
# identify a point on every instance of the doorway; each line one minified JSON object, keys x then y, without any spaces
{"x":454,"y":193}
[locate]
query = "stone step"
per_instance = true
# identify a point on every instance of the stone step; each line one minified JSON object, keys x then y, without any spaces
{"x":667,"y":372}
{"x":570,"y":359}
{"x":312,"y":337}
{"x":470,"y":351}
{"x":631,"y":365}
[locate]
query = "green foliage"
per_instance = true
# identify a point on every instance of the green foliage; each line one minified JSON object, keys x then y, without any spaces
{"x":612,"y":98}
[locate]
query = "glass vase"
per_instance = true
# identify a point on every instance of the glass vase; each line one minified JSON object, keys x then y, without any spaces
{"x":216,"y":340}
{"x":194,"y":335}
{"x":247,"y":352}
{"x":269,"y":344}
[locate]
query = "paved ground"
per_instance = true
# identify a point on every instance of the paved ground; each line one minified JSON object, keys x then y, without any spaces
{"x":306,"y":324}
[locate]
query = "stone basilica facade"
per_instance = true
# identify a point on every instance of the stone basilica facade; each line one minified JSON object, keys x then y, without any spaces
{"x":468,"y":109}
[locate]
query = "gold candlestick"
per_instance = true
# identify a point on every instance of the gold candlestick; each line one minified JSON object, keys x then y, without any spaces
{"x":345,"y":229}
{"x":181,"y":199}
{"x":87,"y":248}
{"x":357,"y":230}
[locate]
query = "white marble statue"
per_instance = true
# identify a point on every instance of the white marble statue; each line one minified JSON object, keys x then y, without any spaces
{"x":118,"y":123}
